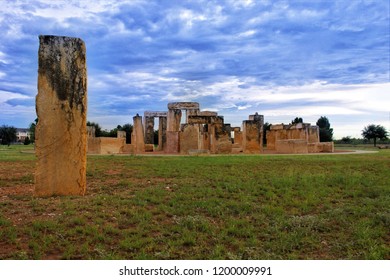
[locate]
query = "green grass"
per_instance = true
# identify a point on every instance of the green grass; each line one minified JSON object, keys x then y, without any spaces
{"x":222,"y":207}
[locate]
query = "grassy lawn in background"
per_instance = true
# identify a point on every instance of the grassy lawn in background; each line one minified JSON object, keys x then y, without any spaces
{"x":205,"y":207}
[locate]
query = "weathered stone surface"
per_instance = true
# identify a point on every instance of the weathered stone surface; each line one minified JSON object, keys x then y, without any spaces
{"x":183,"y":105}
{"x":321,"y":147}
{"x":106,"y":145}
{"x":91,"y":131}
{"x":94,"y":145}
{"x":110,"y":145}
{"x":149,"y":130}
{"x":238,"y":138}
{"x":189,"y":138}
{"x":173,"y":142}
{"x":137,"y":136}
{"x":257,"y":118}
{"x":155,"y":114}
{"x":224,"y":145}
{"x":207,"y":114}
{"x":204,"y":140}
{"x":149,"y":148}
{"x":223,"y":141}
{"x":314,"y":134}
{"x":297,"y":133}
{"x":201,"y":119}
{"x":173,"y":120}
{"x":252,"y":137}
{"x":271,"y":139}
{"x":129,"y":149}
{"x":61,"y":106}
{"x":300,"y":131}
{"x":191,"y":112}
{"x":277,"y":126}
{"x":121,"y":134}
{"x":292,"y":146}
{"x":162,"y":133}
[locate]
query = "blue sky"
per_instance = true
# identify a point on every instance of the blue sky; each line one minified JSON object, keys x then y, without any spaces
{"x":282,"y":59}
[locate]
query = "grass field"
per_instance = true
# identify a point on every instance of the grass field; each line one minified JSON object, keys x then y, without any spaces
{"x":211,"y":207}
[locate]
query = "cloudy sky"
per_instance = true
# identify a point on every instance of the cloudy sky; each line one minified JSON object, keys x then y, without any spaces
{"x":282,"y":59}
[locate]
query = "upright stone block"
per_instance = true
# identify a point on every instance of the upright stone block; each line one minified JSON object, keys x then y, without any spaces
{"x":189,"y":138}
{"x":173,"y":142}
{"x":162,"y":133}
{"x":137,"y":136}
{"x":314,"y":134}
{"x":252,"y":137}
{"x":173,"y":120}
{"x":271,"y":139}
{"x":61,"y":106}
{"x":149,"y":130}
{"x":291,"y":146}
{"x":121,"y":134}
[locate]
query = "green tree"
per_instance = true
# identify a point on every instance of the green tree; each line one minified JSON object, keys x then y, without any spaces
{"x":297,"y":120}
{"x":7,"y":134}
{"x":326,"y":132}
{"x":266,"y":127}
{"x":27,"y":141}
{"x":346,"y":140}
{"x":33,"y":125}
{"x":373,"y":131}
{"x":98,"y":129}
{"x":129,"y":129}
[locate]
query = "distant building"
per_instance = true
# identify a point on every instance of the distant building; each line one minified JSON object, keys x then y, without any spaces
{"x":22,"y":134}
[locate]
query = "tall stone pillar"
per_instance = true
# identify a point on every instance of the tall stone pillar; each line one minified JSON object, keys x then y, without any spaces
{"x":252,"y":140}
{"x":162,"y":133}
{"x":173,"y":120}
{"x":149,"y":130}
{"x":61,"y":106}
{"x":173,"y":128}
{"x":137,"y":137}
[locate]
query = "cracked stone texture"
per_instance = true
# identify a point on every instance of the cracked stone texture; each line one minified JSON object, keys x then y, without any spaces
{"x":61,"y":106}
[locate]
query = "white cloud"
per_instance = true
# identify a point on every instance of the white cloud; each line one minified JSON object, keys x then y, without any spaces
{"x":310,"y":110}
{"x":248,"y":33}
{"x":63,"y":10}
{"x":6,"y":96}
{"x":358,"y":98}
{"x":3,"y":58}
{"x":189,"y":17}
{"x":19,"y":116}
{"x":305,"y":14}
{"x":239,"y":4}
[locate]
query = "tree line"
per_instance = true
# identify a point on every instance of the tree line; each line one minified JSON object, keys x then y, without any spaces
{"x":99,"y":132}
{"x":369,"y":132}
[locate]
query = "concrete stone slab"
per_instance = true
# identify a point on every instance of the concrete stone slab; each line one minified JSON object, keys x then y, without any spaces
{"x":61,"y":106}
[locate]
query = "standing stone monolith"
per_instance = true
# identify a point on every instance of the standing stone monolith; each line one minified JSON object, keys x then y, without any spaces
{"x":61,"y":106}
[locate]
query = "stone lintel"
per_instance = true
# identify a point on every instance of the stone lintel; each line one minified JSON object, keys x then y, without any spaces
{"x":155,"y":114}
{"x":207,"y":114}
{"x":205,"y":119}
{"x":183,"y":105}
